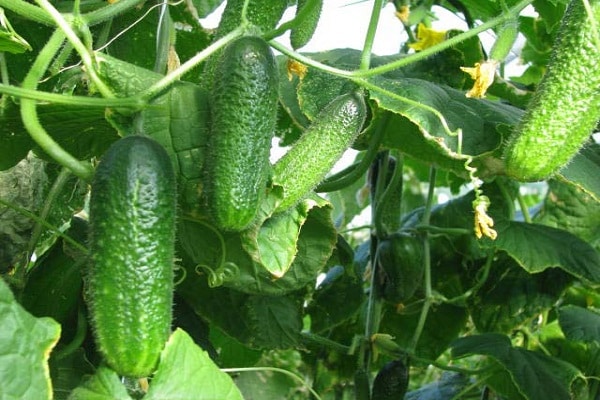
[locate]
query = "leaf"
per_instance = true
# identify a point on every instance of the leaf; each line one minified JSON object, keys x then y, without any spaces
{"x":337,"y":299}
{"x":434,"y":340}
{"x":568,"y":207}
{"x":583,"y":170}
{"x":537,"y":247}
{"x":25,"y":345}
{"x":10,"y":41}
{"x":579,"y":324}
{"x":82,"y":131}
{"x":276,"y":321}
{"x":418,"y":129}
{"x":511,"y":297}
{"x":105,"y":384}
{"x":186,"y":371}
{"x":536,"y":375}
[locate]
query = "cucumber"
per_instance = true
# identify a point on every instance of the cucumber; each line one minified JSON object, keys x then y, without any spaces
{"x":305,"y":165}
{"x":400,"y":258}
{"x":391,"y":382}
{"x":310,"y":12}
{"x":244,"y":118}
{"x":566,"y":106}
{"x":130,"y":281}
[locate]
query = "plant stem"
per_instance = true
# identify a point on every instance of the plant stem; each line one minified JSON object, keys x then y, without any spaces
{"x":426,"y":263}
{"x":82,"y":50}
{"x":313,"y":338}
{"x":29,"y":113}
{"x":524,"y":208}
{"x":365,"y":60}
{"x":24,"y":93}
{"x":159,"y":87}
{"x":109,"y":12}
{"x":27,"y":10}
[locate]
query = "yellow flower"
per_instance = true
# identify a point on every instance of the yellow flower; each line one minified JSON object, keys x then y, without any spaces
{"x":483,"y":74}
{"x":296,"y":68}
{"x":403,"y":13}
{"x":483,"y":222}
{"x":427,"y":37}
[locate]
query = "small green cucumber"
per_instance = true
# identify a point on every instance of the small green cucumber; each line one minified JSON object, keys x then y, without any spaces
{"x":244,"y":118}
{"x":309,"y":11}
{"x":305,"y":165}
{"x":391,"y":382}
{"x":566,"y":106}
{"x":132,"y":231}
{"x":400,"y":258}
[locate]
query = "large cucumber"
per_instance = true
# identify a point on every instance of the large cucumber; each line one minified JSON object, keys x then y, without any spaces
{"x":305,"y":165}
{"x":244,"y":117}
{"x":566,"y":106}
{"x":130,"y":282}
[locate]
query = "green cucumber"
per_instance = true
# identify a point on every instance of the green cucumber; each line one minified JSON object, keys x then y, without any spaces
{"x":400,"y":258}
{"x":305,"y":165}
{"x":244,"y":118}
{"x":391,"y":382}
{"x":130,"y":281}
{"x":310,"y":12}
{"x":566,"y":106}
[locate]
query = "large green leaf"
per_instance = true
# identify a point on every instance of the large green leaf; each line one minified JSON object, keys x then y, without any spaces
{"x":105,"y":384}
{"x":536,"y":375}
{"x":584,"y":170}
{"x":25,"y":345}
{"x":186,"y":371}
{"x":276,"y":320}
{"x":537,"y":247}
{"x":579,"y":324}
{"x":427,"y":118}
{"x":511,"y":297}
{"x":568,"y":207}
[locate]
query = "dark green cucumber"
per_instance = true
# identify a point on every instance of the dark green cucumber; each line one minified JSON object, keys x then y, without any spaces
{"x":305,"y":165}
{"x":391,"y":382}
{"x":130,"y":282}
{"x":400,"y":258}
{"x":310,"y":11}
{"x":566,"y":106}
{"x":244,"y":117}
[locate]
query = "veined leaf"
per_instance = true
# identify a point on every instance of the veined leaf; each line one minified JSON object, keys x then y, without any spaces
{"x":536,"y":375}
{"x":25,"y":345}
{"x":105,"y":384}
{"x":579,"y":324}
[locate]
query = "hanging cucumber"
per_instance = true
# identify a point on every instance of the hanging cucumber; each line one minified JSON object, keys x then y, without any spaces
{"x":130,"y":282}
{"x":305,"y":165}
{"x":244,"y":117}
{"x":310,"y":12}
{"x":566,"y":106}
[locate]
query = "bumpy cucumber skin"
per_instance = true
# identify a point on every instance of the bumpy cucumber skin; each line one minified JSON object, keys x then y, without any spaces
{"x":130,"y":281}
{"x":305,"y":165}
{"x":391,"y":382}
{"x":301,"y":35}
{"x":566,"y":106}
{"x":262,"y":14}
{"x":244,"y":118}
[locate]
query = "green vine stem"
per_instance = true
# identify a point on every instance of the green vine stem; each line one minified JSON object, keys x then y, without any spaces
{"x":110,"y":11}
{"x":71,"y":100}
{"x":30,"y":117}
{"x":47,"y":225}
{"x":80,"y":48}
{"x":162,"y":85}
{"x":429,"y":298}
{"x":55,"y":190}
{"x":273,"y":369}
{"x":365,"y":60}
{"x":322,"y":341}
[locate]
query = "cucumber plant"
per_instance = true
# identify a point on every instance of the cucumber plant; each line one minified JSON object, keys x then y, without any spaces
{"x":411,"y":288}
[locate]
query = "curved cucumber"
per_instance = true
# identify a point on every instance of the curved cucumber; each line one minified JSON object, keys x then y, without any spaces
{"x":310,"y":10}
{"x":305,"y":165}
{"x":130,"y":281}
{"x":566,"y":106}
{"x":244,"y":117}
